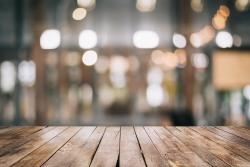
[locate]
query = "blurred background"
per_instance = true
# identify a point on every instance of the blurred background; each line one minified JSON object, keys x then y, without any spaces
{"x":124,"y":62}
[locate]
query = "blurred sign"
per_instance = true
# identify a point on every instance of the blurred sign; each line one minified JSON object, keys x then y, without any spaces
{"x":231,"y":69}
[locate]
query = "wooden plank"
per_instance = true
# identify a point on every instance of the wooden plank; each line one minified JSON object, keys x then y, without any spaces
{"x":17,"y":143}
{"x":130,"y":153}
{"x":229,"y":152}
{"x":66,"y":154}
{"x":5,"y":131}
{"x":43,"y":153}
{"x":87,"y":151}
{"x":20,"y":152}
{"x":3,"y":127}
{"x":181,"y":141}
{"x":151,"y":155}
{"x":234,"y":147}
{"x":235,"y":132}
{"x":183,"y":157}
{"x":18,"y":134}
{"x":108,"y":151}
{"x":224,"y":154}
{"x":229,"y":136}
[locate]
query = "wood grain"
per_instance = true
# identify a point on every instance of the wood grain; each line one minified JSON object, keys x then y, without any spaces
{"x":124,"y":146}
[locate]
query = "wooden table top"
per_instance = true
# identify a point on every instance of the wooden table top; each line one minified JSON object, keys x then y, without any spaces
{"x":124,"y":146}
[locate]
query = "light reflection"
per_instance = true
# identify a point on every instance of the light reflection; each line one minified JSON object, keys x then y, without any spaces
{"x":89,"y":58}
{"x":155,"y":95}
{"x":157,"y":56}
{"x":50,"y":39}
{"x":171,"y":60}
{"x":155,"y":75}
{"x":197,"y":5}
{"x":119,"y":64}
{"x":237,"y":41}
{"x":242,"y":5}
{"x":79,"y":13}
{"x":246,"y":92}
{"x":118,"y":80}
{"x":87,"y":39}
{"x":224,"y":39}
{"x":202,"y":37}
{"x":182,"y":57}
{"x":199,"y":60}
{"x":145,"y":5}
{"x":27,"y":73}
{"x":102,"y":64}
{"x":89,"y":4}
{"x":179,"y":40}
{"x":8,"y":76}
{"x":146,"y":39}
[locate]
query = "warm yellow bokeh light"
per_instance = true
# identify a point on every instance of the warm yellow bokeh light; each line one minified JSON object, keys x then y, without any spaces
{"x":79,"y":13}
{"x":157,"y":56}
{"x":171,"y":60}
{"x":224,"y":11}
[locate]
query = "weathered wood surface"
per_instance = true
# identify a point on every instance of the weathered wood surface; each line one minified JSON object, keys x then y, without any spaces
{"x":124,"y":146}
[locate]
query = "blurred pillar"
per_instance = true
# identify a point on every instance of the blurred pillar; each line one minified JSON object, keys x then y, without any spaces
{"x":37,"y":24}
{"x":19,"y":48}
{"x":186,"y":25}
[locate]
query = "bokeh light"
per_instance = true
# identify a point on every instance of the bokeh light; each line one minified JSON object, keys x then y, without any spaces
{"x":89,"y":58}
{"x":158,"y":56}
{"x":27,"y":73}
{"x":155,"y":75}
{"x":179,"y":40}
{"x":146,"y":39}
{"x":79,"y":13}
{"x":88,"y":4}
{"x":87,"y":39}
{"x":50,"y":39}
{"x":7,"y":76}
{"x":224,"y":39}
{"x":155,"y":95}
{"x":200,"y":60}
{"x":171,"y":60}
{"x":145,"y":5}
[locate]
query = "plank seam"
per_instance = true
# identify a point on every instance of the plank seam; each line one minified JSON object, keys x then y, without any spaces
{"x":39,"y":147}
{"x":97,"y":146}
{"x":61,"y":146}
{"x":140,"y":148}
{"x":219,"y":145}
{"x":185,"y":145}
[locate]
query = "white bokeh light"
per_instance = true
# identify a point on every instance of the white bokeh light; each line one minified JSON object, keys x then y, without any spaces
{"x":86,"y":3}
{"x":224,"y":39}
{"x":89,"y":58}
{"x":8,"y":76}
{"x":145,"y":5}
{"x":246,"y":92}
{"x":27,"y":73}
{"x":146,"y":39}
{"x":155,"y":95}
{"x":179,"y":41}
{"x":50,"y":39}
{"x":87,"y":39}
{"x":155,"y":75}
{"x":199,"y":60}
